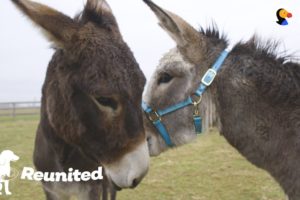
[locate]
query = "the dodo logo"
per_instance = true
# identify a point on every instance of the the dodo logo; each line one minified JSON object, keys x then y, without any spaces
{"x":6,"y":172}
{"x":282,"y":16}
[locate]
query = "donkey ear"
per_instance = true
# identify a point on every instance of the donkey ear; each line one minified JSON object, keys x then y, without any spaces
{"x":100,"y":13}
{"x":189,"y":40}
{"x":99,"y":6}
{"x":58,"y":27}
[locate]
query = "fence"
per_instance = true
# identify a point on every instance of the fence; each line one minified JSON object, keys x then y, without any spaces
{"x":13,"y":109}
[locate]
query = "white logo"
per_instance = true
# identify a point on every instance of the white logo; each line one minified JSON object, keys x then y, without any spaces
{"x":6,"y":157}
{"x":72,"y":175}
{"x":7,"y":173}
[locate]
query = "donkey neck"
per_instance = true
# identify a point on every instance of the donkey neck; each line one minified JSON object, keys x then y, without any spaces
{"x":254,"y":118}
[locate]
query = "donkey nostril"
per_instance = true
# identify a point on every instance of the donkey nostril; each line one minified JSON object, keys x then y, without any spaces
{"x":135,"y":183}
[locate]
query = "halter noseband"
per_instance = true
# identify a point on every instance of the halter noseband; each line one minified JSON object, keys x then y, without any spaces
{"x":155,"y":116}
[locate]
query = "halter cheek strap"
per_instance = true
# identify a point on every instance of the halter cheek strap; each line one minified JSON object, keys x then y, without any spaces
{"x":155,"y":116}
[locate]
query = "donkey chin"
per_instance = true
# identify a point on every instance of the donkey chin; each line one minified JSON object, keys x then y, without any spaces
{"x":129,"y":171}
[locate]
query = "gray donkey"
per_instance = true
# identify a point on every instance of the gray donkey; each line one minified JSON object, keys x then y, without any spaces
{"x":90,"y":113}
{"x":255,"y":98}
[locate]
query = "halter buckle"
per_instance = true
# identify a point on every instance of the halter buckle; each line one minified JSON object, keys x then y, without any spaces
{"x":209,"y":77}
{"x":196,"y":100}
{"x":154,"y":116}
{"x":196,"y":112}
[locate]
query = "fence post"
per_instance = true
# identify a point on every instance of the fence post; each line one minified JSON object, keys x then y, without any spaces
{"x":14,"y":110}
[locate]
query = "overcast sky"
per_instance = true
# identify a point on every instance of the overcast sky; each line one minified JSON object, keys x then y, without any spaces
{"x":25,"y":53}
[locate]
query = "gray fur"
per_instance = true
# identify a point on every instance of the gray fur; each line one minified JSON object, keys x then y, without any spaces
{"x":256,"y":96}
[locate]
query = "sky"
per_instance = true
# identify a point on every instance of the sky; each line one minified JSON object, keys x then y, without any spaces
{"x":25,"y":53}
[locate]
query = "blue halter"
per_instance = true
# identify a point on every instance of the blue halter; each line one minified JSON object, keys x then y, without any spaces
{"x":155,"y":116}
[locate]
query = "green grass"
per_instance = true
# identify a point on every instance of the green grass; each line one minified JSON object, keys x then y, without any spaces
{"x":208,"y":169}
{"x":18,"y":135}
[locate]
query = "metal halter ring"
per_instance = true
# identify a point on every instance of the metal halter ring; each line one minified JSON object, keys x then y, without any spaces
{"x":154,"y":116}
{"x":196,"y":100}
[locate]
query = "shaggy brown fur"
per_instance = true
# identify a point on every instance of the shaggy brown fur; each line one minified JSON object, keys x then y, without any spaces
{"x":91,"y":111}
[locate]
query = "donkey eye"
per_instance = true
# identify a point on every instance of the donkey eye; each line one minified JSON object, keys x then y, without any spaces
{"x":107,"y":102}
{"x":164,"y":78}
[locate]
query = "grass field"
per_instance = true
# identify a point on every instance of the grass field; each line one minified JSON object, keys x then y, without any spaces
{"x":208,"y":169}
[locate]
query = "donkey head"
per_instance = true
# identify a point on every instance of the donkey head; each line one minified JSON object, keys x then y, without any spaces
{"x":93,"y":89}
{"x":178,"y":76}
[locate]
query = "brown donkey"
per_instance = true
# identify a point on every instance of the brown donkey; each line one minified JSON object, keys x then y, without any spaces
{"x":91,"y":113}
{"x":255,"y":98}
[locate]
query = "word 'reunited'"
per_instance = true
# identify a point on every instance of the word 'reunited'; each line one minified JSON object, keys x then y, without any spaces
{"x":70,"y":176}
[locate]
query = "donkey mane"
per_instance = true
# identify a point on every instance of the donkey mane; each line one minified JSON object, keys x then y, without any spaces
{"x":274,"y":78}
{"x":212,"y":32}
{"x":256,"y":46}
{"x":268,"y":49}
{"x":285,"y":90}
